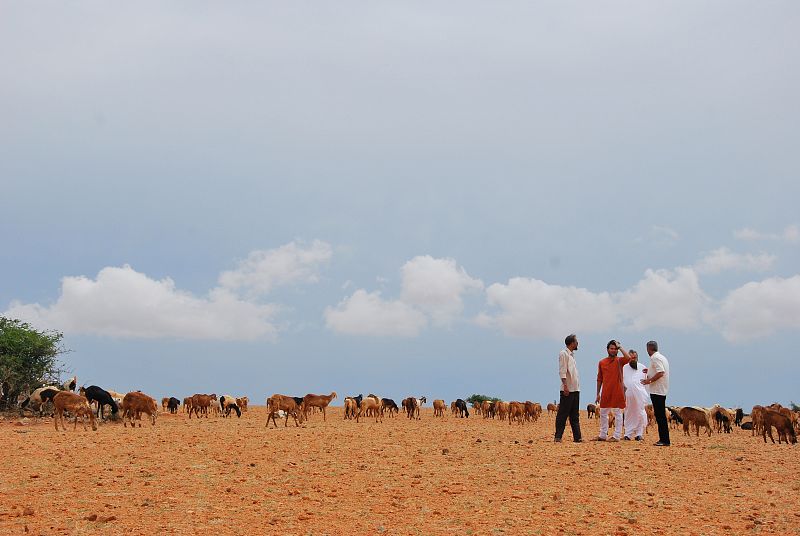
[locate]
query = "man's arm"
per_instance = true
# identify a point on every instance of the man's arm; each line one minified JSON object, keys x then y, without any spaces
{"x":599,"y":384}
{"x":562,"y":372}
{"x":655,"y":378}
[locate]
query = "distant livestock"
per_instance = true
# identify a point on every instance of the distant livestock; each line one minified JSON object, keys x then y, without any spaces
{"x":77,"y":405}
{"x":173,"y":404}
{"x":288,"y":405}
{"x":134,"y":404}
{"x":102,"y":397}
{"x":227,"y":403}
{"x":461,"y":408}
{"x":317,"y":401}
{"x":696,"y":417}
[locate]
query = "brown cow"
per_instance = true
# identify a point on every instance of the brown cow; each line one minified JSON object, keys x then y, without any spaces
{"x":77,"y":405}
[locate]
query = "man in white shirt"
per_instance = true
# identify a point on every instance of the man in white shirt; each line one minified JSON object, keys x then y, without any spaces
{"x":569,"y":404}
{"x":657,"y":382}
{"x":636,"y":398}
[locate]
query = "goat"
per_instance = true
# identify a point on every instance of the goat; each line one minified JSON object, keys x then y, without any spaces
{"x":317,"y":401}
{"x":201,"y":403}
{"x":389,"y":405}
{"x":242,"y":403}
{"x":288,"y":405}
{"x":77,"y":405}
{"x":103,"y":398}
{"x":39,"y":398}
{"x":370,"y":404}
{"x":552,"y":408}
{"x":438,"y":408}
{"x":164,"y":403}
{"x":516,"y":412}
{"x":695,"y":416}
{"x":228,"y":403}
{"x":782,"y":424}
{"x":134,"y":404}
{"x":172,"y":404}
{"x":461,"y":408}
{"x":722,"y":419}
{"x":591,"y":411}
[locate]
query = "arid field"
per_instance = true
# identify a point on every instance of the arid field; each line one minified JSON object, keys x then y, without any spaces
{"x":432,"y":476}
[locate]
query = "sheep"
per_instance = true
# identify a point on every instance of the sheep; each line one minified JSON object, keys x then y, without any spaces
{"x":134,"y":404}
{"x":76,"y":405}
{"x":287,"y":404}
{"x":317,"y":401}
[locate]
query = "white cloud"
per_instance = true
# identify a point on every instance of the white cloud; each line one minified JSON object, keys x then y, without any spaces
{"x":435,"y":286}
{"x":723,"y":259}
{"x":790,"y":234}
{"x":365,"y":313}
{"x":759,"y":309}
{"x":265,"y":269}
{"x":122,"y":302}
{"x":535,"y":309}
{"x":665,"y":298}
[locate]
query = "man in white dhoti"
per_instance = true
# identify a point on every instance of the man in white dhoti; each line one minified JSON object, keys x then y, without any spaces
{"x":636,"y":398}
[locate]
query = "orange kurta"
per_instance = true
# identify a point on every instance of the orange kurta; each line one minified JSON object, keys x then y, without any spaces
{"x":609,"y":371}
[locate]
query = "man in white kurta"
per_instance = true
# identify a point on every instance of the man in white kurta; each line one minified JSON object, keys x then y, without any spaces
{"x":636,"y":398}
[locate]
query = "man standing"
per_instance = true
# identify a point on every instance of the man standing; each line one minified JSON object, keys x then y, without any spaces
{"x":658,"y":384}
{"x":636,"y":398}
{"x":609,"y":385}
{"x":569,"y":404}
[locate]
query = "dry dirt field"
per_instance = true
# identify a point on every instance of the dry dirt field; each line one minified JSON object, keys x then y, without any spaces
{"x":433,"y":476}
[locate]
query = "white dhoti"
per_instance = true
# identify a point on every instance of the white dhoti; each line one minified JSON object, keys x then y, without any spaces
{"x":604,"y":422}
{"x":636,"y":399}
{"x":635,"y":417}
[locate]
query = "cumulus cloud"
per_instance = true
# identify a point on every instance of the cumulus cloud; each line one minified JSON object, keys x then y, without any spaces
{"x":665,"y":298}
{"x":263,"y":270}
{"x":790,"y":234}
{"x":759,"y":309}
{"x":122,"y":302}
{"x":535,"y":309}
{"x":436,"y":286}
{"x":723,"y":259}
{"x":365,"y":313}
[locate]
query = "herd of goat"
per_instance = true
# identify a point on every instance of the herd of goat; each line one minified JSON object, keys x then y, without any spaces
{"x":92,"y":400}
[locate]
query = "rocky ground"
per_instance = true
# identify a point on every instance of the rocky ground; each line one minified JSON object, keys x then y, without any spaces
{"x":433,"y":476}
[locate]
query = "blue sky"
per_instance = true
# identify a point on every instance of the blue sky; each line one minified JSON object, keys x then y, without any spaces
{"x":404,"y":199}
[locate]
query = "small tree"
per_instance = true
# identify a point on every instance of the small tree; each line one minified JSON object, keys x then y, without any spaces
{"x":481,"y":398}
{"x":28,"y":358}
{"x":794,"y":406}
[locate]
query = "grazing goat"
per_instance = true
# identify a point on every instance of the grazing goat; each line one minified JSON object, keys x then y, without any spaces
{"x":287,"y":404}
{"x":173,"y":404}
{"x":461,"y":408}
{"x":438,"y":407}
{"x":476,"y":407}
{"x":412,"y":406}
{"x":502,"y":409}
{"x":164,"y":403}
{"x":77,"y":405}
{"x":228,"y":403}
{"x":103,"y":398}
{"x":591,"y":411}
{"x":782,"y":424}
{"x":739,"y":417}
{"x":516,"y":412}
{"x":134,"y":404}
{"x":552,"y":408}
{"x":317,"y":401}
{"x":39,"y":398}
{"x":722,"y":419}
{"x":674,"y":416}
{"x":698,"y":417}
{"x":242,"y":402}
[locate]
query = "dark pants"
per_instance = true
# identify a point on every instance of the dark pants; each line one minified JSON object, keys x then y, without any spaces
{"x":568,"y":406}
{"x":659,"y":408}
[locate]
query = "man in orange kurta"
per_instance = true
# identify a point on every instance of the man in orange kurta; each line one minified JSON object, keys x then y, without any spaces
{"x":610,"y":389}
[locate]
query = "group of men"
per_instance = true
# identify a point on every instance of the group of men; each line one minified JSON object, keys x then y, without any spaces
{"x":624,"y":388}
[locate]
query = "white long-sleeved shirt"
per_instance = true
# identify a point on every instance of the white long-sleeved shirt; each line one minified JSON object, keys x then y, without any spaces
{"x":568,"y":369}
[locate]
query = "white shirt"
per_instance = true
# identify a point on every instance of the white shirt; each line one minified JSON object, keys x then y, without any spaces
{"x":632,"y":379}
{"x":658,"y":363}
{"x":567,"y":368}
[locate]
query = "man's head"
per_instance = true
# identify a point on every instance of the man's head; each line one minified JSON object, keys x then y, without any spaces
{"x":652,"y":347}
{"x":634,"y":355}
{"x":613,"y":348}
{"x":571,"y":341}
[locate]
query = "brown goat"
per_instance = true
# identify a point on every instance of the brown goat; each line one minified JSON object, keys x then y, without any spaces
{"x":782,"y":424}
{"x":201,"y":404}
{"x":438,"y":407}
{"x":136,"y":403}
{"x":75,"y":404}
{"x":317,"y":401}
{"x":288,"y":405}
{"x":370,"y":404}
{"x":697,"y":417}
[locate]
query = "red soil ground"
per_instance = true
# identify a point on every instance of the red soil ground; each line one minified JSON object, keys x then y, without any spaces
{"x":433,"y":476}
